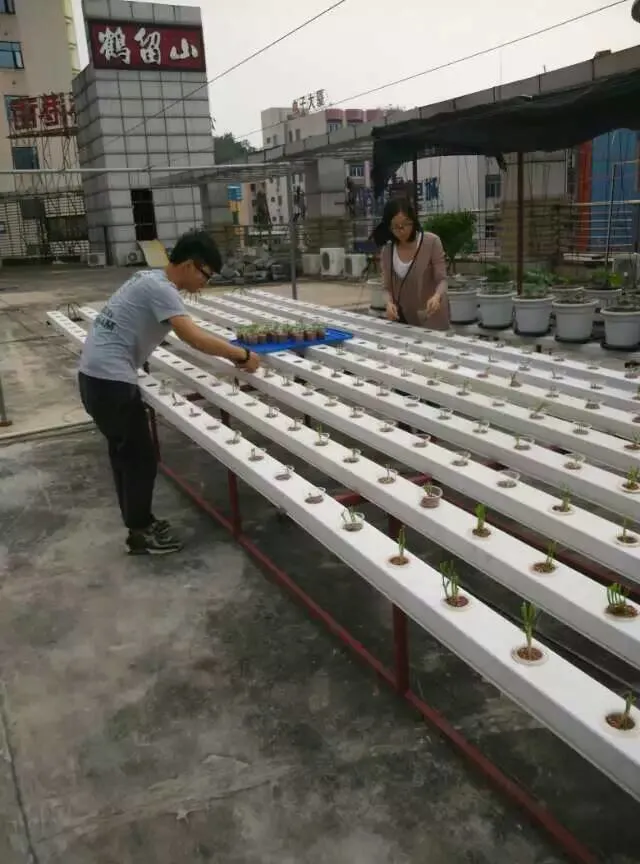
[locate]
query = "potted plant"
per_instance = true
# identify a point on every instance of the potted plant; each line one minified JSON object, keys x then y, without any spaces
{"x":400,"y":559}
{"x":451,"y":586}
{"x":532,"y":308}
{"x":463,"y":301}
{"x":574,"y":316}
{"x":622,"y":720}
{"x":481,"y":529}
{"x":495,"y":298}
{"x":528,"y":653}
{"x":548,"y":565}
{"x":622,"y":323}
{"x":432,"y":496}
{"x":604,"y":287}
{"x":617,"y":605}
{"x":455,"y":230}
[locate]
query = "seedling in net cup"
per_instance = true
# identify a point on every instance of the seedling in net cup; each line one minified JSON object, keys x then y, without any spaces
{"x":389,"y":476}
{"x":539,"y":411}
{"x":617,"y":602}
{"x":623,"y":720}
{"x":565,"y":503}
{"x":352,"y":520}
{"x":626,"y":537}
{"x":632,"y":483}
{"x":322,"y":438}
{"x":514,"y":381}
{"x":634,"y":444}
{"x":432,"y":496}
{"x":451,"y":586}
{"x":400,"y":559}
{"x":549,"y":563}
{"x":481,"y":529}
{"x":528,"y":652}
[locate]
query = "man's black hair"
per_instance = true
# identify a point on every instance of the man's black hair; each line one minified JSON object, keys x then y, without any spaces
{"x":198,"y":246}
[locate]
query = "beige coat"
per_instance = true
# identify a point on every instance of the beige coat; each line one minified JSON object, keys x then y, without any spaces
{"x":428,"y":272}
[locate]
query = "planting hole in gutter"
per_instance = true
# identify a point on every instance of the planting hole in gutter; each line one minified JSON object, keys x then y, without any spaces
{"x":331,"y":402}
{"x":553,"y":393}
{"x":622,"y":721}
{"x":498,"y":403}
{"x":351,"y":520}
{"x":316,"y":366}
{"x":529,"y":656}
{"x":485,"y":373}
{"x":235,"y":439}
{"x":634,"y":444}
{"x":383,"y":391}
{"x":581,"y":428}
{"x":592,"y":405}
{"x":285,"y":474}
{"x":595,"y":385}
{"x":322,"y":440}
{"x":336,"y":373}
{"x":194,"y":412}
{"x":422,"y":439}
{"x":548,"y":565}
{"x":617,"y":605}
{"x":354,"y":456}
{"x":389,"y":476}
{"x":296,"y":425}
{"x":358,"y":382}
{"x":213,"y":426}
{"x":356,"y":412}
{"x":574,"y":462}
{"x":508,"y":479}
{"x":481,"y":530}
{"x":400,"y":559}
{"x":317,"y":496}
{"x":411,"y":402}
{"x":387,"y":426}
{"x":481,"y":427}
{"x":453,"y":366}
{"x":445,"y":414}
{"x":432,"y":495}
{"x":462,"y":459}
{"x":406,"y":373}
{"x":257,"y":454}
{"x":273,"y":411}
{"x":523,"y":442}
{"x":309,"y":390}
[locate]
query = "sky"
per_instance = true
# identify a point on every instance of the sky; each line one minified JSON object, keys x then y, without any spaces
{"x":367,"y":43}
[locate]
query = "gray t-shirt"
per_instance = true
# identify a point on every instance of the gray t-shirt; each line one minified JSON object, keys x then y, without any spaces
{"x":130,"y":327}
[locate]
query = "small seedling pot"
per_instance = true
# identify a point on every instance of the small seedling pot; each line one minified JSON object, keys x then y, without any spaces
{"x":459,"y":607}
{"x":557,"y":510}
{"x":540,"y":568}
{"x":630,"y":490}
{"x":399,"y":560}
{"x":539,"y":657}
{"x":484,"y":534}
{"x":315,"y":497}
{"x":626,"y":612}
{"x":631,"y":540}
{"x":609,"y":723}
{"x":432,"y":498}
{"x":422,"y":440}
{"x":508,"y":479}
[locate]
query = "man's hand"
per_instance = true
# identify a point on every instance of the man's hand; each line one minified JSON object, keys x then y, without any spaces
{"x":252,"y":364}
{"x":392,"y":311}
{"x":433,"y":304}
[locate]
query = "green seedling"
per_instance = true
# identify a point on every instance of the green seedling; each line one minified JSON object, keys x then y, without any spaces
{"x":548,"y":565}
{"x":351,"y":517}
{"x":529,"y":615}
{"x":633,"y":478}
{"x":450,"y":582}
{"x":540,"y":409}
{"x":514,"y":380}
{"x":634,"y":443}
{"x":629,"y":702}
{"x":481,"y":529}
{"x":617,"y":596}
{"x":565,"y":504}
{"x":402,"y":542}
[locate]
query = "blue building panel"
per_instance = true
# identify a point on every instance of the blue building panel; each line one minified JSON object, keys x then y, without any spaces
{"x":614,"y":161}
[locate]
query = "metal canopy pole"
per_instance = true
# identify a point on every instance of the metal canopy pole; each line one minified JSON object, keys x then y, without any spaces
{"x":414,"y":177}
{"x":520,"y":223}
{"x":293,"y":235}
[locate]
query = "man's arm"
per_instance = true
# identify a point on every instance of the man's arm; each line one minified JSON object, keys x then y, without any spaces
{"x":186,"y":329}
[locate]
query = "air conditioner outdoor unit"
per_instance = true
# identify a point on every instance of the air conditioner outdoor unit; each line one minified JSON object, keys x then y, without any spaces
{"x":96,"y":259}
{"x":355,"y":266}
{"x":135,"y":257}
{"x":310,"y":264}
{"x":331,"y":262}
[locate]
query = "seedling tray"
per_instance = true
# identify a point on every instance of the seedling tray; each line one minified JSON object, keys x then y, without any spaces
{"x":332,"y":337}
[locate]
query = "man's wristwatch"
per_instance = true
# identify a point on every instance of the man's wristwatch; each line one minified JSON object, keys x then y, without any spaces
{"x":247,"y":355}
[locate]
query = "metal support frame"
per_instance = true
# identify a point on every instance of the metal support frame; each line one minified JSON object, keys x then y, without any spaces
{"x":4,"y":419}
{"x":520,"y":223}
{"x":293,"y":234}
{"x":399,"y":678}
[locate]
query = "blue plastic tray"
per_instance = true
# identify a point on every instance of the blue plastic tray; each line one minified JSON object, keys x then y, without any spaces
{"x":332,"y":337}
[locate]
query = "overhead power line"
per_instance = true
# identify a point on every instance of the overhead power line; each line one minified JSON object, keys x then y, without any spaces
{"x":235,"y":66}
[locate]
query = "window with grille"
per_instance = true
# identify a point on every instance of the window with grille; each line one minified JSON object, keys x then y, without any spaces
{"x":493,"y":185}
{"x":11,"y":55}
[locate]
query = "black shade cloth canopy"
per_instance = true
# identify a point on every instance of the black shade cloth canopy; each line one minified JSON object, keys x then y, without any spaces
{"x":549,"y":121}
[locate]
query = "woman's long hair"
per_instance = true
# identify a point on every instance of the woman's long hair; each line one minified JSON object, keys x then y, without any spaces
{"x":382,"y":233}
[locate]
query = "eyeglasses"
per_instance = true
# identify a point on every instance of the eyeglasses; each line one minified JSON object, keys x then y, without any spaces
{"x":204,"y":273}
{"x":401,"y":226}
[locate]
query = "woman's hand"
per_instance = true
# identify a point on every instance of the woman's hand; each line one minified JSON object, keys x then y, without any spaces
{"x":392,"y":311}
{"x":433,"y":304}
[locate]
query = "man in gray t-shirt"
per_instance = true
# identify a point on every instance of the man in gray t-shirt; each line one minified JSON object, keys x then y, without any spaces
{"x":131,"y":325}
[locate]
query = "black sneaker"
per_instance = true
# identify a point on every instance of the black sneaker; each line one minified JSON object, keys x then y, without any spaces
{"x":151,"y":543}
{"x":161,"y":527}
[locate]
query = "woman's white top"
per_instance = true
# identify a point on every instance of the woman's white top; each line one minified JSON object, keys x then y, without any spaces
{"x":401,"y":268}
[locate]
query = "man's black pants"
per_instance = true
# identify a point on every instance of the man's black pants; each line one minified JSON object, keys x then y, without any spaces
{"x":119,"y":413}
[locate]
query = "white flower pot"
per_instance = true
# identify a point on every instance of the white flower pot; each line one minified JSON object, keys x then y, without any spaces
{"x":532,"y":315}
{"x":574,"y":321}
{"x":496,"y":310}
{"x":463,"y":306}
{"x":621,"y":328}
{"x":603,"y":296}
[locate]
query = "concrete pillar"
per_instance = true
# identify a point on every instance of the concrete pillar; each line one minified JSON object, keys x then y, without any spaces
{"x":324,"y":188}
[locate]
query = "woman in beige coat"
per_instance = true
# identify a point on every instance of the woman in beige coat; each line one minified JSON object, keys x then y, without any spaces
{"x":414,"y":270}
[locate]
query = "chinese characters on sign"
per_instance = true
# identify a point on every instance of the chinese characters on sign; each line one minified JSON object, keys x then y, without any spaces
{"x":131,"y":45}
{"x":312,"y":102}
{"x":50,"y":112}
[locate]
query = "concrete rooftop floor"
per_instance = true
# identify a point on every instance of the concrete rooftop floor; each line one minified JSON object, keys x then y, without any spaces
{"x":186,"y":710}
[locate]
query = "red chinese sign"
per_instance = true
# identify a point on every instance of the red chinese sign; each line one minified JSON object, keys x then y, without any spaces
{"x":136,"y":45}
{"x":49,"y":112}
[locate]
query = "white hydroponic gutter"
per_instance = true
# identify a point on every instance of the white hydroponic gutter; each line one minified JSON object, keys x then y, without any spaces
{"x":615,"y":420}
{"x":558,"y":694}
{"x":581,"y":530}
{"x":621,"y":378}
{"x":440,"y":357}
{"x":598,"y":446}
